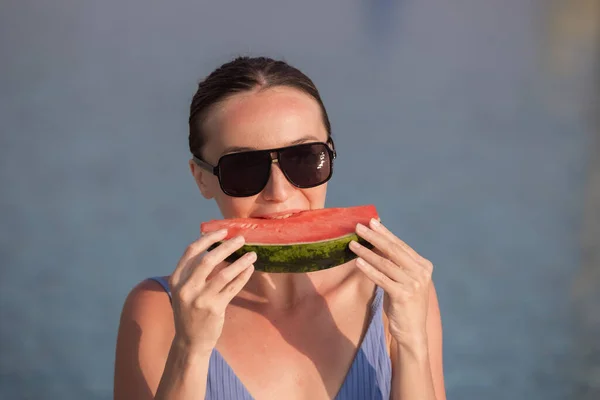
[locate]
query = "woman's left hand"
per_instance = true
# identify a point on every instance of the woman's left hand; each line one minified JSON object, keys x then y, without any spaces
{"x":403,"y":274}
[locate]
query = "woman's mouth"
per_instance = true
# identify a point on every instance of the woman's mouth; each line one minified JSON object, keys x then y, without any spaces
{"x":277,"y":215}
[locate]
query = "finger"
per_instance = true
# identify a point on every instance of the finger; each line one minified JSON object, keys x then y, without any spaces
{"x":210,"y":260}
{"x":377,"y":226}
{"x":389,"y":249}
{"x":193,"y":250}
{"x":427,"y":266}
{"x":391,"y":270}
{"x":236,"y":285}
{"x":376,"y":276}
{"x":406,"y":273}
{"x":227,"y":274}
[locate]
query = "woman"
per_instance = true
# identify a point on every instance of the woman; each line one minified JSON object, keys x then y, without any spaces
{"x":366,"y":329}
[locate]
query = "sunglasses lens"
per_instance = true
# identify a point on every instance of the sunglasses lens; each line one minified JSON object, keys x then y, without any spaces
{"x":244,"y":174}
{"x":306,"y":165}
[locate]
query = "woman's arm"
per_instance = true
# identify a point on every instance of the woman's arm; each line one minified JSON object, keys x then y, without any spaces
{"x":185,"y":374}
{"x":149,"y":364}
{"x":411,"y":309}
{"x":163,"y":348}
{"x":417,"y":369}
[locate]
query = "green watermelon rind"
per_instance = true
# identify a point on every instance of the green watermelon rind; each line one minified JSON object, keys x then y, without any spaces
{"x":300,"y":258}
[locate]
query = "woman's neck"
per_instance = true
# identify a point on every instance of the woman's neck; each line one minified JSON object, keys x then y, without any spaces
{"x":284,"y":291}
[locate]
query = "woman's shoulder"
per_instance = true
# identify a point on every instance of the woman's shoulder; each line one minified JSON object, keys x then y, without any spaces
{"x":146,"y":303}
{"x":146,"y":313}
{"x":144,"y":337}
{"x":149,"y":289}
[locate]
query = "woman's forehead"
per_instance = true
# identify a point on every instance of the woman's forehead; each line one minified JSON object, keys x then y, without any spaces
{"x":270,"y":118}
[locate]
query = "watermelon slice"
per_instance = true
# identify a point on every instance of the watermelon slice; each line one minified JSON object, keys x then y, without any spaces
{"x":304,"y":242}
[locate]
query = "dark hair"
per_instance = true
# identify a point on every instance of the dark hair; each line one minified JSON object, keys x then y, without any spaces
{"x":240,"y":75}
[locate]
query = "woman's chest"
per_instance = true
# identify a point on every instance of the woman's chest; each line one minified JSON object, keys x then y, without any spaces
{"x":305,"y":355}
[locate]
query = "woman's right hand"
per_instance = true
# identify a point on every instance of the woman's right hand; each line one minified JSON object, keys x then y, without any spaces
{"x":198,"y":302}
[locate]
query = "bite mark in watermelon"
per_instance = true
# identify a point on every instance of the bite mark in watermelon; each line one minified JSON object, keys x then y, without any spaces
{"x":308,"y":241}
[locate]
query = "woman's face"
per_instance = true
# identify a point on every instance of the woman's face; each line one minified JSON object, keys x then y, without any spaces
{"x":258,"y":120}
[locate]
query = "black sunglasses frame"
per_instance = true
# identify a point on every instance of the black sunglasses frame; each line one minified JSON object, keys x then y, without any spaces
{"x":215,"y":170}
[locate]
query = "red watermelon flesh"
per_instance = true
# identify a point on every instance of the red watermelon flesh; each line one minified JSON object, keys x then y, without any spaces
{"x":304,"y":227}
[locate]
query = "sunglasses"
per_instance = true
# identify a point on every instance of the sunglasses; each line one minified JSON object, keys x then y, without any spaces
{"x":246,"y":173}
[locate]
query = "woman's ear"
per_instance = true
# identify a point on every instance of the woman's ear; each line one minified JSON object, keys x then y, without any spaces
{"x":204,"y":180}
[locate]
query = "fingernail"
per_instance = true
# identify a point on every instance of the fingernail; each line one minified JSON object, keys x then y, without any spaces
{"x":360,"y":228}
{"x":251,"y":256}
{"x":221,"y":232}
{"x":238,"y":239}
{"x":360,"y":262}
{"x":354,"y":245}
{"x":375,"y":223}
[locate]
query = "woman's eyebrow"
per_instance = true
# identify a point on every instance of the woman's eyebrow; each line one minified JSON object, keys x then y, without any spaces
{"x":235,"y":149}
{"x":304,"y":139}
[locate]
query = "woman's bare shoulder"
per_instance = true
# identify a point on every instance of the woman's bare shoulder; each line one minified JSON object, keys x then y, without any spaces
{"x":144,"y":338}
{"x":147,"y":298}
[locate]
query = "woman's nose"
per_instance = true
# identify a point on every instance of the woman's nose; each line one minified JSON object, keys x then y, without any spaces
{"x":278,"y":188}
